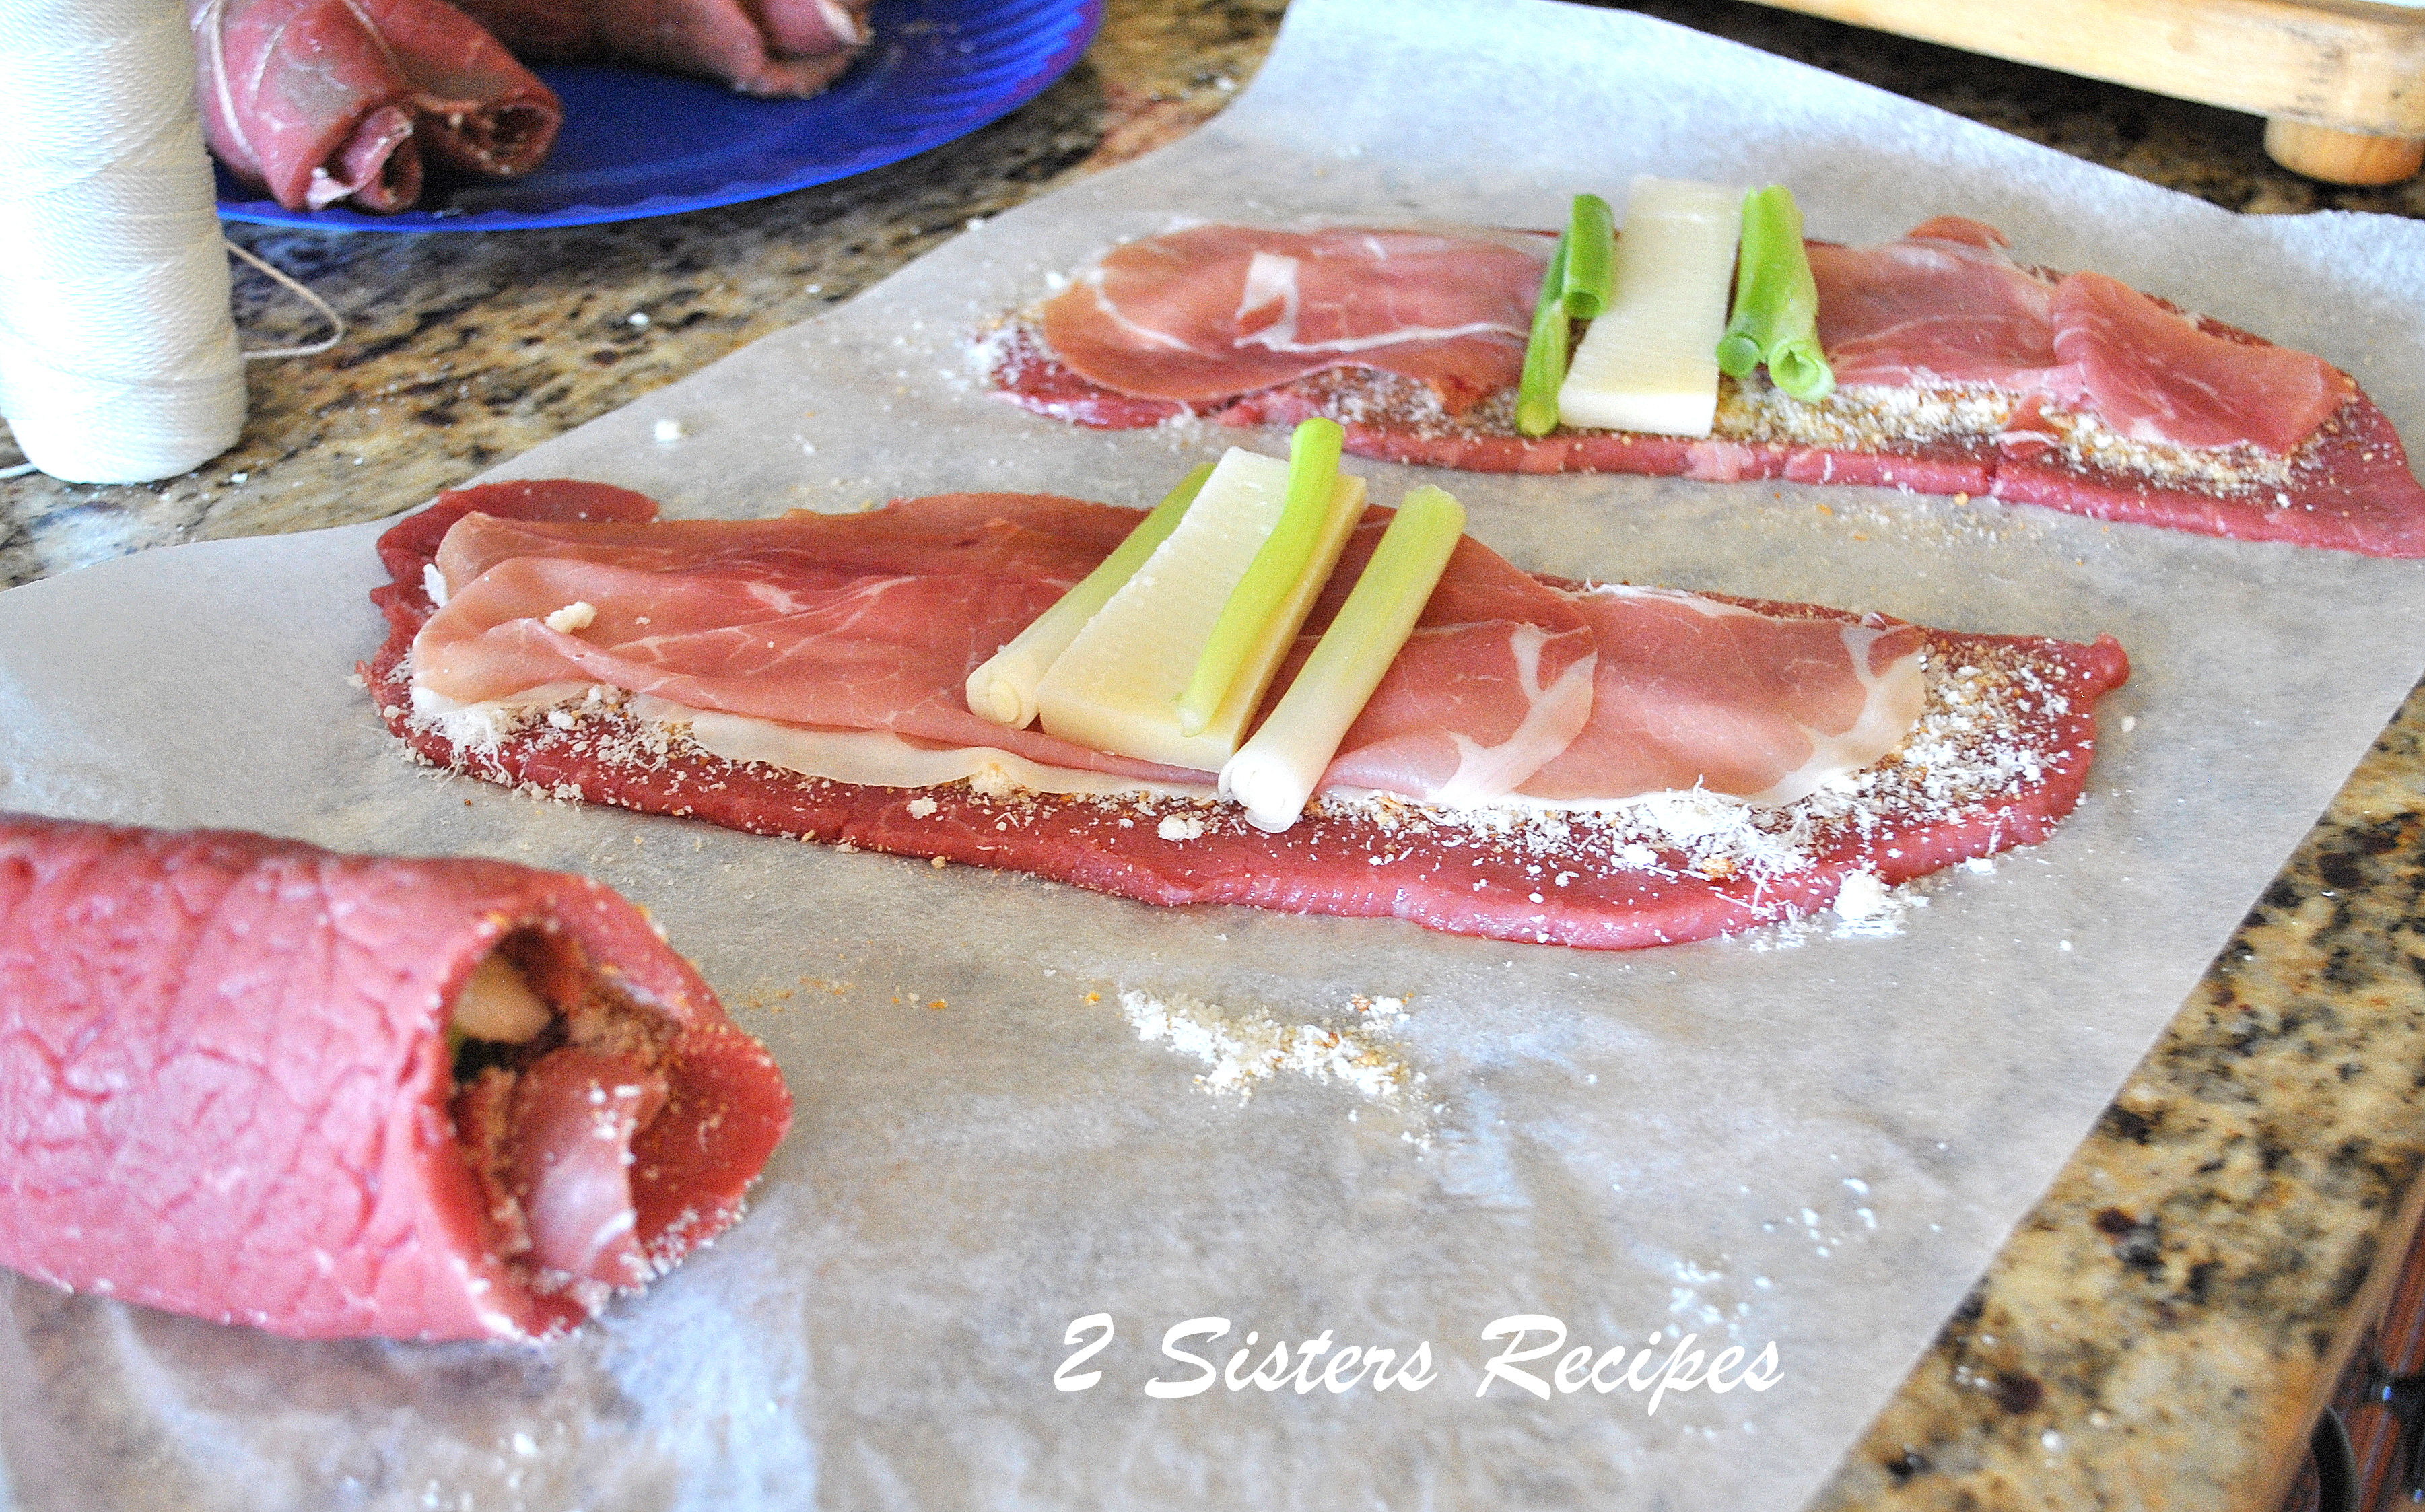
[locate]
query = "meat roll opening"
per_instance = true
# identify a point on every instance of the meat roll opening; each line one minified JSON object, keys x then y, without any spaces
{"x":559,"y":1078}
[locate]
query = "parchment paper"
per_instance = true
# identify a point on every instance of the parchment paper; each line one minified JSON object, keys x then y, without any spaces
{"x":1818,"y":1144}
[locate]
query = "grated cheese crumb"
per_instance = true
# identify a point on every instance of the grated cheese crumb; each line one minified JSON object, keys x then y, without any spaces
{"x":1249,"y":1047}
{"x":1861,"y":896}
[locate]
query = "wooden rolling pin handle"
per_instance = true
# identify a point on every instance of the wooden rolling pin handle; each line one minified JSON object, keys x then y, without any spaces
{"x":2341,"y":157}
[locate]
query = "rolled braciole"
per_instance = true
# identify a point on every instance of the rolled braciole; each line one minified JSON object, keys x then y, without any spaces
{"x":1276,"y":771}
{"x":775,"y":48}
{"x":334,"y":1095}
{"x":1273,"y":576}
{"x":1590,"y":281}
{"x":321,"y":104}
{"x":1004,"y":688}
{"x":1545,"y":351}
{"x":1776,"y":317}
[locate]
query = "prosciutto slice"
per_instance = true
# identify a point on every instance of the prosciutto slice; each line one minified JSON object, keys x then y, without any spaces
{"x":327,"y":101}
{"x":563,"y":1157}
{"x":1946,"y":304}
{"x":2157,"y":375}
{"x":870,"y":622}
{"x":765,"y":47}
{"x":1215,"y":311}
{"x":1496,"y":679}
{"x":227,"y":1090}
{"x":1695,"y":692}
{"x":2007,"y":752}
{"x":1943,"y":305}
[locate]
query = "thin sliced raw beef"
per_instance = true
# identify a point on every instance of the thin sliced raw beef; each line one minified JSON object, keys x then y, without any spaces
{"x":1998,"y":768}
{"x":226,"y":1087}
{"x":2074,"y":392}
{"x":327,"y":101}
{"x":1211,"y":311}
{"x":767,"y":48}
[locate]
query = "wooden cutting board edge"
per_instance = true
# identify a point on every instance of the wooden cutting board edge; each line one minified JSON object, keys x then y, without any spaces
{"x":2341,"y":83}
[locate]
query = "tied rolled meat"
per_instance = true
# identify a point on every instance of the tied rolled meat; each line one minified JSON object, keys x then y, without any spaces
{"x":330,"y":1096}
{"x":327,"y":102}
{"x":765,"y":47}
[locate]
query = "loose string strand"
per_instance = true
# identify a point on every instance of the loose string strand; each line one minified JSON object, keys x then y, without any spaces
{"x":336,"y":322}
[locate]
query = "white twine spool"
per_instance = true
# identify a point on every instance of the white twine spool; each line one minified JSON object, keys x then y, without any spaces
{"x":118,"y":359}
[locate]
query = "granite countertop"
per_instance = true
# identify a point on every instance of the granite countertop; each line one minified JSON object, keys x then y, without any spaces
{"x":2161,"y":1329}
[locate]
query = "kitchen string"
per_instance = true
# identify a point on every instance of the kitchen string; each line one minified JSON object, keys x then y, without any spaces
{"x":118,"y":357}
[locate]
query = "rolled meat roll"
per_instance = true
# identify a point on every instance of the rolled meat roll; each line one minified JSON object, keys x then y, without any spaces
{"x":767,"y":47}
{"x":334,"y":1096}
{"x":323,"y":101}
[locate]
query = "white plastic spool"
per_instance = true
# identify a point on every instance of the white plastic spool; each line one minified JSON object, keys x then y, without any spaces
{"x":118,"y":357}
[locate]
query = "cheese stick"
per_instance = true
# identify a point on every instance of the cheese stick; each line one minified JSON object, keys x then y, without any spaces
{"x":1650,"y":362}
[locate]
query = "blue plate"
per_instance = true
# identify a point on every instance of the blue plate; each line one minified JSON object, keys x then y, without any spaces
{"x":638,"y":143}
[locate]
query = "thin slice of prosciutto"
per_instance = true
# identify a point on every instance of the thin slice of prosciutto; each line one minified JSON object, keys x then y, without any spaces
{"x":229,"y":1092}
{"x":322,"y":102}
{"x":1946,"y":304}
{"x":767,"y":47}
{"x":1495,"y":682}
{"x":1800,"y":681}
{"x":867,"y":621}
{"x":2238,"y":438}
{"x":872,"y":621}
{"x":1209,"y":312}
{"x":1697,"y":692}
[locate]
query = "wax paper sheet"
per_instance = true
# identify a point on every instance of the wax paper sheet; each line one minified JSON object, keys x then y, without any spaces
{"x":1786,"y":1137}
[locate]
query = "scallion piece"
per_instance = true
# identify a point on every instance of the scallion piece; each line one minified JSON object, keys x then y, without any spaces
{"x":1545,"y":354}
{"x":1591,"y":257}
{"x":1313,"y":476}
{"x":1276,"y":771}
{"x":1775,"y":316}
{"x":1004,"y":689}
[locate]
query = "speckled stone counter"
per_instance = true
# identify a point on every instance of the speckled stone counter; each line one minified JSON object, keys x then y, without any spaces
{"x":2158,"y":1333}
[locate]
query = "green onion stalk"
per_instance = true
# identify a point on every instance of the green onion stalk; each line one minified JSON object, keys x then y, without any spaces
{"x":1590,"y":279}
{"x":1313,"y":477}
{"x":1276,"y":771}
{"x":1776,"y":317}
{"x":1545,"y":353}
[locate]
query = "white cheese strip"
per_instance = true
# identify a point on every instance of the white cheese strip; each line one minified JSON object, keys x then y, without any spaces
{"x":496,"y":1002}
{"x":1651,"y":362}
{"x":1116,"y":688}
{"x":878,"y":757}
